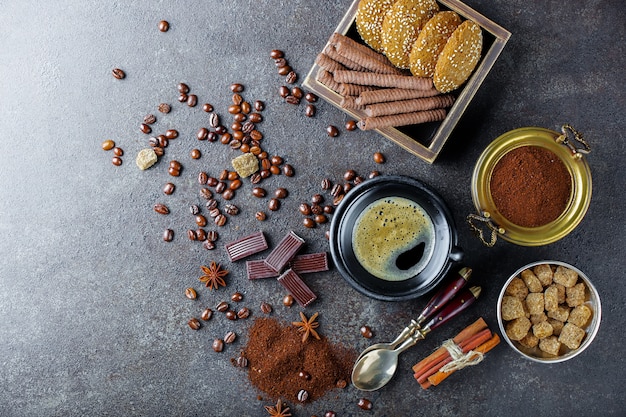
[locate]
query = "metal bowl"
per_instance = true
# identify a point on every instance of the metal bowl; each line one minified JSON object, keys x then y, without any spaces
{"x":427,"y":268}
{"x":592,"y":300}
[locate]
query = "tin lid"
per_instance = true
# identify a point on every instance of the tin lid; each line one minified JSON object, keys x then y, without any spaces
{"x":570,"y":147}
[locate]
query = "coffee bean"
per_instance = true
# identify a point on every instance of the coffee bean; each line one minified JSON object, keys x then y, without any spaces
{"x":231,"y":315}
{"x":351,"y":125}
{"x":327,"y":234}
{"x":200,"y":221}
{"x":297,"y":92}
{"x":373,"y":174}
{"x":214,"y":212}
{"x":117,"y":151}
{"x":211,"y":204}
{"x":194,"y":324}
{"x":316,"y":208}
{"x":194,"y":209}
{"x":310,"y":97}
{"x":266,"y":308}
{"x":222,"y":307}
{"x":218,"y":345}
{"x":276,"y":53}
{"x":145,"y":128}
{"x":214,"y":120}
{"x":164,"y":108}
{"x":281,"y":193}
{"x":330,"y":414}
{"x":203,"y":177}
{"x":336,"y":190}
{"x":212,"y":235}
{"x":320,"y":219}
{"x":183,"y":88}
{"x":182,"y":97}
{"x":358,"y":179}
{"x":292,"y":100}
{"x":338,"y":199}
{"x":304,"y":375}
{"x":275,"y":170}
{"x":284,"y":70}
{"x":288,"y":300}
{"x":291,"y":78}
{"x":163,"y":141}
{"x":230,"y":337}
{"x":310,"y":110}
{"x":255,"y":118}
{"x":234,"y":109}
{"x":231,"y":209}
{"x":118,"y":73}
{"x":236,"y":88}
{"x":329,"y":209}
{"x":220,"y":187}
{"x":191,"y":293}
{"x":259,"y":105}
{"x":256,"y":135}
{"x":280,"y":62}
{"x":149,"y":119}
{"x":164,"y":26}
{"x":332,"y":131}
{"x":326,"y":184}
{"x":341,"y":383}
{"x":195,"y":154}
{"x":349,"y":175}
{"x":208,"y":245}
{"x":347,"y":187}
{"x":317,"y":199}
{"x":379,"y":158}
{"x":364,"y":404}
{"x":305,"y":209}
{"x":260,"y":216}
{"x":303,"y":395}
{"x":200,"y":235}
{"x":274,"y":204}
{"x":284,"y":91}
{"x":243,"y":313}
{"x":206,"y":193}
{"x":171,"y":134}
{"x":206,"y":315}
{"x":288,"y":170}
{"x":161,"y":208}
{"x":168,"y":235}
{"x":108,"y":144}
{"x":246,"y":108}
{"x":366,"y":332}
{"x":168,"y":188}
{"x":191,"y":234}
{"x":208,"y":108}
{"x":228,"y":194}
{"x":241,"y":361}
{"x":158,"y":151}
{"x":220,"y":220}
{"x":259,"y":192}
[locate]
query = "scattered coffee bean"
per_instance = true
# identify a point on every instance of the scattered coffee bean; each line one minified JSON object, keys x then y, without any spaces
{"x":200,"y":221}
{"x":359,"y":179}
{"x":255,"y":118}
{"x":364,"y":404}
{"x":260,"y":216}
{"x":308,"y":222}
{"x":220,"y":187}
{"x":117,"y":151}
{"x":303,"y":395}
{"x":182,"y":88}
{"x":320,"y":219}
{"x":329,"y":209}
{"x":243,"y":313}
{"x":149,"y":119}
{"x":214,"y":212}
{"x":284,"y":91}
{"x":276,"y":53}
{"x":366,"y":332}
{"x":304,"y":375}
{"x":259,"y":105}
{"x":284,"y":70}
{"x":332,"y":131}
{"x":236,"y":88}
{"x":347,"y":187}
{"x":241,"y":361}
{"x":220,"y":220}
{"x":195,"y":154}
{"x":192,"y":100}
{"x":373,"y":174}
{"x":351,"y":125}
{"x":317,"y":199}
{"x":164,"y":108}
{"x":341,"y":383}
{"x":200,"y":235}
{"x":259,"y":192}
{"x":231,"y":209}
{"x":164,"y":26}
{"x":218,"y":345}
{"x":145,"y":128}
{"x":316,"y":208}
{"x":288,"y":170}
{"x":207,"y":313}
{"x":292,"y":100}
{"x":230,"y":337}
{"x":310,"y":97}
{"x":336,"y":190}
{"x":214,"y":120}
{"x":305,"y":209}
{"x":171,"y":134}
{"x":231,"y":315}
{"x":194,"y":324}
{"x":274,"y":204}
{"x":349,"y":175}
{"x":194,"y":209}
{"x":330,"y":414}
{"x":212,"y":235}
{"x":208,"y":245}
{"x":281,"y":193}
{"x":182,"y":97}
{"x":168,"y":235}
{"x":158,"y":151}
{"x":379,"y":158}
{"x":297,"y":92}
{"x":288,"y":300}
{"x":236,"y":297}
{"x":338,"y":199}
{"x":191,"y":293}
{"x":208,"y":108}
{"x":118,"y":73}
{"x":108,"y":144}
{"x":191,"y":235}
{"x":266,"y":308}
{"x":206,"y":193}
{"x":310,"y":110}
{"x":161,"y":208}
{"x":222,"y":306}
{"x":291,"y":78}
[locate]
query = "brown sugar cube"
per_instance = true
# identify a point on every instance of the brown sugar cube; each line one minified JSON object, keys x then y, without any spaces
{"x":575,"y":296}
{"x":557,"y":325}
{"x":512,"y":308}
{"x":535,"y":303}
{"x":543,"y":329}
{"x":531,"y":280}
{"x":538,"y":318}
{"x":565,"y":276}
{"x":579,"y":316}
{"x":571,"y":336}
{"x":544,"y":273}
{"x":550,"y":345}
{"x":561,"y":289}
{"x":530,"y":340}
{"x":518,"y":328}
{"x":551,"y":298}
{"x":561,"y":314}
{"x":517,"y":288}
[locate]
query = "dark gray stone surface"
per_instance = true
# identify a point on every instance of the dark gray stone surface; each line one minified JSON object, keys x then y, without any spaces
{"x":92,"y":312}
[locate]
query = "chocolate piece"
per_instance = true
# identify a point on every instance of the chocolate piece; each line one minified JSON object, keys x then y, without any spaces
{"x":246,"y":246}
{"x":310,"y":262}
{"x":297,"y":288}
{"x":257,"y":269}
{"x":284,"y":251}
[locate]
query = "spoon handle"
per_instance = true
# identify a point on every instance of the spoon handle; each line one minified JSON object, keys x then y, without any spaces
{"x":462,"y":301}
{"x":445,"y":294}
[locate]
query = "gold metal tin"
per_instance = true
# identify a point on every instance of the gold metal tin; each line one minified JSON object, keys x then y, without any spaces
{"x":427,"y":140}
{"x":573,"y":160}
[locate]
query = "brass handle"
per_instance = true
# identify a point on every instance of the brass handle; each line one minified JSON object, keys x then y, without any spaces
{"x":571,"y":138}
{"x":486,"y":219}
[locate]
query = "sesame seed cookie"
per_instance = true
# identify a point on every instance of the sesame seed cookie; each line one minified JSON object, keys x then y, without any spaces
{"x":369,"y":21}
{"x":431,"y":41}
{"x":459,"y":57}
{"x":401,"y":28}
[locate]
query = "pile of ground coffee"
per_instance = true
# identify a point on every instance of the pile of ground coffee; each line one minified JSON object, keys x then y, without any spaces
{"x":281,"y":365}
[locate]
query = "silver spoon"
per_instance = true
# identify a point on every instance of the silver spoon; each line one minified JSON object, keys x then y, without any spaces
{"x":376,"y":368}
{"x":435,"y":304}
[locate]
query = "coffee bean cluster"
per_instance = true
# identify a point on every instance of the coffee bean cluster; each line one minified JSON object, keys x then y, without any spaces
{"x":109,"y":145}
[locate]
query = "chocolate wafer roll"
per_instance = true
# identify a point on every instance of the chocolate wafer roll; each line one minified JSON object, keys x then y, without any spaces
{"x":326,"y":78}
{"x":357,"y":53}
{"x":409,"y":106}
{"x":383,"y":95}
{"x":403,"y":119}
{"x":331,"y":52}
{"x":348,"y":102}
{"x":328,"y":63}
{"x":353,"y":89}
{"x":383,"y":80}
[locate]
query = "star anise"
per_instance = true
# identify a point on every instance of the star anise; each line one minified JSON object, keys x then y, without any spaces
{"x":307,"y":326}
{"x":278,"y":410}
{"x":213,"y":276}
